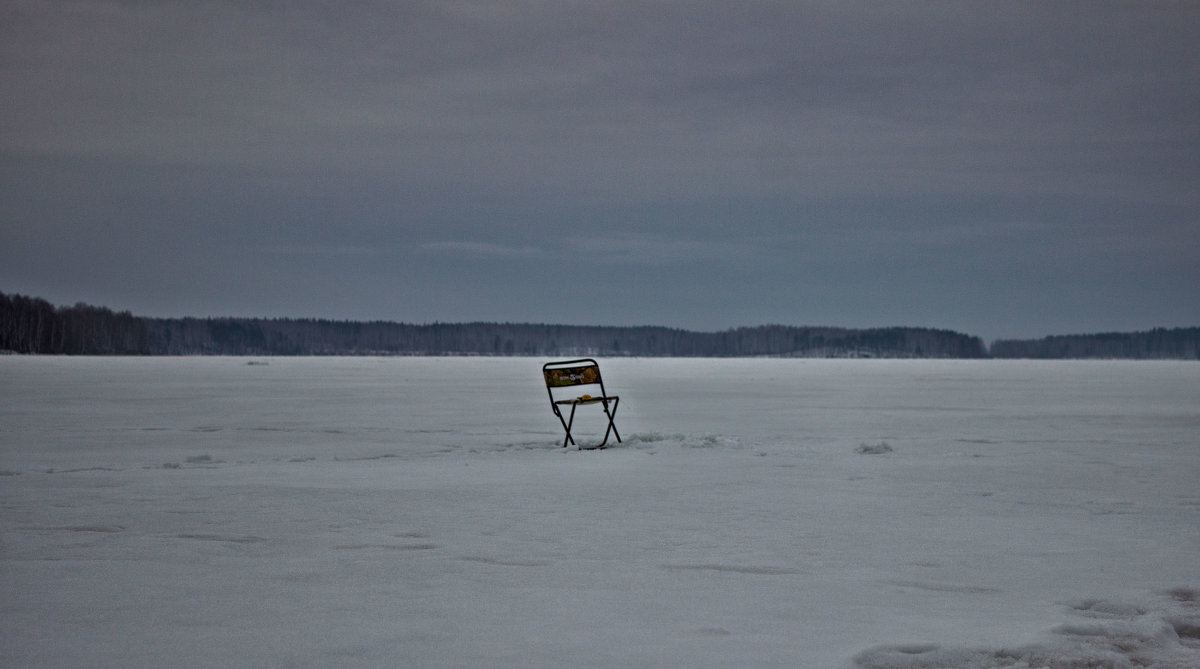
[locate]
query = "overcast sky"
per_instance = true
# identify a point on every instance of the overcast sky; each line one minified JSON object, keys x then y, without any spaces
{"x":1005,"y":169}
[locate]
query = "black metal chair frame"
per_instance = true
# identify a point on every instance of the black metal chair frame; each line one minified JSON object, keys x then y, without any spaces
{"x":573,"y":373}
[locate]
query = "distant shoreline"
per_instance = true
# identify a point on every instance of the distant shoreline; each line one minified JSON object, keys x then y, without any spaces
{"x":32,"y":325}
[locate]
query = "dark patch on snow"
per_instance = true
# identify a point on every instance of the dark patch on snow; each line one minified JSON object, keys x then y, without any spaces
{"x":945,"y":587}
{"x":1184,"y":594}
{"x":106,"y":529}
{"x":504,"y":562}
{"x":393,"y":547}
{"x":735,"y":569}
{"x":1188,"y":629}
{"x":222,"y":538}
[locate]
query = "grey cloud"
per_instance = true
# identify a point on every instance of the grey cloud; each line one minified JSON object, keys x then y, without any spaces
{"x":480,"y":249}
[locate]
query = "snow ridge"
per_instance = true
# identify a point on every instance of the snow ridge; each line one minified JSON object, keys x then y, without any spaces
{"x":1163,"y":633}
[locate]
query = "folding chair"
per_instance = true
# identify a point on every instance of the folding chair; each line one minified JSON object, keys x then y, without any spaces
{"x":572,"y":374}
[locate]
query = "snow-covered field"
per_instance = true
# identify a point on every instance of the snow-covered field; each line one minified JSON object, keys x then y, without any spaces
{"x":419,"y":512}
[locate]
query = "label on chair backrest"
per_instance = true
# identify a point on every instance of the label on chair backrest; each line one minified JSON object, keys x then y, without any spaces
{"x":572,"y":376}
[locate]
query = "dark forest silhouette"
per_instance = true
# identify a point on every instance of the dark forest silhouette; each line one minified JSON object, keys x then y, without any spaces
{"x":33,"y":325}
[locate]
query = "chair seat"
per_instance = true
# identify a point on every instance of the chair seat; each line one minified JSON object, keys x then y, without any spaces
{"x":587,"y":400}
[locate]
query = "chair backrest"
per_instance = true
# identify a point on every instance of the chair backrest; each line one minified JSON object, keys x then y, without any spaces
{"x":568,"y":373}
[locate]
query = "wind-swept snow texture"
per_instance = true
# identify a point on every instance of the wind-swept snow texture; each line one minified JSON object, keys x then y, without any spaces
{"x":418,"y":512}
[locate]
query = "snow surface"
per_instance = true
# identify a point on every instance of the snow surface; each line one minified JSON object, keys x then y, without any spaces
{"x":418,"y":512}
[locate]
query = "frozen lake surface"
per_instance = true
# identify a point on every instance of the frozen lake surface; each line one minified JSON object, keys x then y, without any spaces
{"x":419,"y":512}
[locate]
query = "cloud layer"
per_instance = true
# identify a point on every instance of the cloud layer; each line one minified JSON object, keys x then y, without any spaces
{"x":1006,"y":169}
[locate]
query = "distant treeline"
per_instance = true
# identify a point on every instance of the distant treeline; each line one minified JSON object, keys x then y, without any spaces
{"x":1156,"y":344}
{"x":32,"y":325}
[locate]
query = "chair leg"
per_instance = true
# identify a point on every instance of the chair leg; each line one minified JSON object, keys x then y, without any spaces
{"x":611,"y":425}
{"x":568,"y":423}
{"x":567,"y":426}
